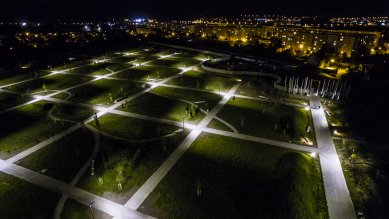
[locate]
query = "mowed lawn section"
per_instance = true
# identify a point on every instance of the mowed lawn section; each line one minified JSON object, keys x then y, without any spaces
{"x":161,"y":107}
{"x":173,"y":104}
{"x":64,"y":158}
{"x":20,"y":199}
{"x":47,"y":83}
{"x":174,"y":62}
{"x":104,"y":91}
{"x":220,"y":177}
{"x":148,"y":73}
{"x":131,"y":128}
{"x":9,"y":100}
{"x":70,"y":113}
{"x":268,"y":120}
{"x":91,"y":68}
{"x":129,"y":162}
{"x":26,"y":127}
{"x":206,"y":81}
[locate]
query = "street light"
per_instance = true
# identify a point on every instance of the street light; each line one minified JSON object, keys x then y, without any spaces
{"x":91,"y":210}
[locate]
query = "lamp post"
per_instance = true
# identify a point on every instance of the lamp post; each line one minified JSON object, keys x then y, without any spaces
{"x":91,"y":210}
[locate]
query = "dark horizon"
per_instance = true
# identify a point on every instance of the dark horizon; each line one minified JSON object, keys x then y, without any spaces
{"x":46,"y":10}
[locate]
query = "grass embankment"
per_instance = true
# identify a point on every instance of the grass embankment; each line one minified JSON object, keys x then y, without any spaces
{"x":239,"y":179}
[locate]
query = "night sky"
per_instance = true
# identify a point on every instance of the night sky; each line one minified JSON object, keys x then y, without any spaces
{"x":99,"y":9}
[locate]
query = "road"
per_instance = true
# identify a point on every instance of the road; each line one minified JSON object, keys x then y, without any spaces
{"x":338,"y":198}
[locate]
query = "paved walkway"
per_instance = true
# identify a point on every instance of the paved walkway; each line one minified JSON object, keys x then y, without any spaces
{"x":80,"y":173}
{"x":145,"y":190}
{"x":102,"y":204}
{"x":338,"y":198}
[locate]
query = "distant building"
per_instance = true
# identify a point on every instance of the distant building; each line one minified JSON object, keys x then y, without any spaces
{"x":302,"y":39}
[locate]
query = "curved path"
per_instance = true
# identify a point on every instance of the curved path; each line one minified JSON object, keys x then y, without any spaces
{"x":61,"y":202}
{"x":201,"y":109}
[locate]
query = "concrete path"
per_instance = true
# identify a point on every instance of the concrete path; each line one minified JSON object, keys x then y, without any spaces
{"x":105,"y":205}
{"x":338,"y":198}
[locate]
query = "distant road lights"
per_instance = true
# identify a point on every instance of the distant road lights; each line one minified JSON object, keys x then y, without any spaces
{"x":307,"y":108}
{"x":313,"y":154}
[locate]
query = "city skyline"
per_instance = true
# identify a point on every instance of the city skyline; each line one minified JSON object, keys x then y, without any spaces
{"x":171,"y":9}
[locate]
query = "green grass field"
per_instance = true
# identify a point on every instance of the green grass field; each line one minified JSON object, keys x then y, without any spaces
{"x":20,"y":199}
{"x":175,"y":62}
{"x":260,"y":118}
{"x":239,"y":179}
{"x":136,"y":161}
{"x":10,"y":100}
{"x":161,"y":107}
{"x":203,"y":99}
{"x":101,"y":91}
{"x":131,"y":128}
{"x":206,"y":81}
{"x":71,"y":112}
{"x":148,"y":73}
{"x":53,"y":82}
{"x":62,"y":159}
{"x":30,"y":126}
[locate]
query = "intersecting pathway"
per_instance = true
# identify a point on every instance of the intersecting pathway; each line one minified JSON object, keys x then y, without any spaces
{"x":338,"y":198}
{"x":102,"y":204}
{"x":145,"y":190}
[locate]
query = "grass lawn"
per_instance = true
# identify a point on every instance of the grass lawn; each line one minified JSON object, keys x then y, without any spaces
{"x":175,"y":62}
{"x":9,"y":100}
{"x":53,"y":82}
{"x":129,"y":163}
{"x":64,"y":158}
{"x":88,"y":69}
{"x":101,"y":91}
{"x":131,"y":128}
{"x":216,"y":124}
{"x":161,"y":107}
{"x":26,"y":127}
{"x":72,"y":112}
{"x":193,"y":55}
{"x":239,"y":179}
{"x":200,"y":80}
{"x":147,"y":73}
{"x":75,"y":210}
{"x":203,"y":99}
{"x":73,"y":64}
{"x":9,"y":79}
{"x":259,"y":119}
{"x":20,"y":199}
{"x":263,"y":87}
{"x":365,"y":176}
